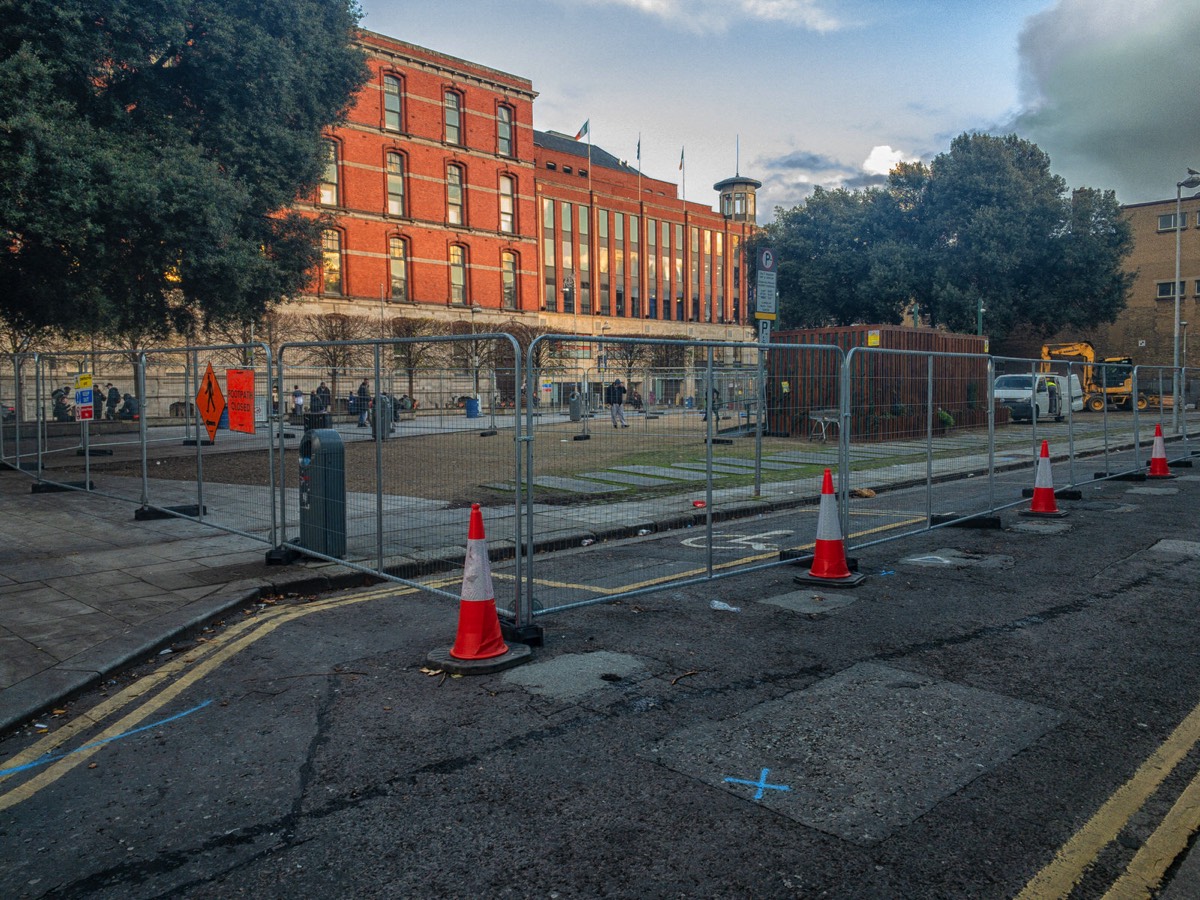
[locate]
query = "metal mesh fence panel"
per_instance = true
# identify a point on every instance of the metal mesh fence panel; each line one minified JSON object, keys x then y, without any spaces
{"x":672,"y":436}
{"x":208,"y":418}
{"x":416,"y":445}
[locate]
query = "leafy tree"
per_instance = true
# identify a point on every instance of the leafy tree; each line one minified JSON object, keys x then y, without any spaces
{"x":986,"y":225}
{"x":837,"y":254}
{"x":149,"y":154}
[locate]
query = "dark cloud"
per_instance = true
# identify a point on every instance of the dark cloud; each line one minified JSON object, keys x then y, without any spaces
{"x":1112,"y":92}
{"x":804,"y":161}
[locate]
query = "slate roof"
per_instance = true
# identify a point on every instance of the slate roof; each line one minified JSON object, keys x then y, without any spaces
{"x":568,"y":146}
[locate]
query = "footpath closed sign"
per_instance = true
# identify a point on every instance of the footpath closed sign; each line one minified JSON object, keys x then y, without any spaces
{"x":210,"y":402}
{"x":240,"y":385}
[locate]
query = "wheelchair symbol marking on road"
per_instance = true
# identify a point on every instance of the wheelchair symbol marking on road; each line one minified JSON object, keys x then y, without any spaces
{"x":758,"y":542}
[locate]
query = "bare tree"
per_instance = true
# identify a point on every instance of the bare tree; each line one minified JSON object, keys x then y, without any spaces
{"x":246,"y":334}
{"x":628,"y":358}
{"x":670,"y":356}
{"x":328,"y":331}
{"x":412,"y":356}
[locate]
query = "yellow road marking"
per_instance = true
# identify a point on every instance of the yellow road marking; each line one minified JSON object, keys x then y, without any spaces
{"x":218,"y":651}
{"x":1059,"y":877}
{"x":1146,"y":870}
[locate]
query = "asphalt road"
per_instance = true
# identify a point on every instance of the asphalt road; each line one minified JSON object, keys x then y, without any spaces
{"x":943,"y":730}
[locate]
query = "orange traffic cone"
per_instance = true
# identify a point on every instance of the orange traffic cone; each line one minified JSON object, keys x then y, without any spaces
{"x":1158,"y":457}
{"x":1044,"y":503}
{"x":479,"y":646}
{"x":829,"y":552}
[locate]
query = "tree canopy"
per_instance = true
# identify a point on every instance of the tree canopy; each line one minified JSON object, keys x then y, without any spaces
{"x":986,"y":224}
{"x":149,"y":154}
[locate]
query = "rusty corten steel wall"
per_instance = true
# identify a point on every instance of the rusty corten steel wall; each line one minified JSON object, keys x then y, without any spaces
{"x":803,"y":380}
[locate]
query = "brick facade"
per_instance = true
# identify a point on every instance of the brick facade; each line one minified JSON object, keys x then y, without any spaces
{"x":390,"y":189}
{"x":622,"y":248}
{"x":393,"y":186}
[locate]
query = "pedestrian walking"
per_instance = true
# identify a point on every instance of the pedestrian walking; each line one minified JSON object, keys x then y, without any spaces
{"x":324,"y":398}
{"x":364,"y":403}
{"x":297,"y":401}
{"x":614,"y":396}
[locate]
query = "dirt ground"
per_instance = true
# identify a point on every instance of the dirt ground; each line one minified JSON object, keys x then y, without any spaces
{"x":460,"y":466}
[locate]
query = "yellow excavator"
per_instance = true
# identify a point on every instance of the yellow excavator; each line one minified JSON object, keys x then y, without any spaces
{"x":1105,"y":381}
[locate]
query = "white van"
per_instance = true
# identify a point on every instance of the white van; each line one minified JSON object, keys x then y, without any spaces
{"x":1050,"y":393}
{"x":1069,"y":388}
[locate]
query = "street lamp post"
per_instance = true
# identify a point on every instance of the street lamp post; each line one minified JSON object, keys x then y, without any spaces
{"x":1192,"y":181}
{"x":474,"y":353}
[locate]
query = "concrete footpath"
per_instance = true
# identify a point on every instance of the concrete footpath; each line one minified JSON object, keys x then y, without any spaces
{"x":85,"y":589}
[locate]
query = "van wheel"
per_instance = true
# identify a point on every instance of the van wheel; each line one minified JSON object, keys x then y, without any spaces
{"x":1058,"y":418}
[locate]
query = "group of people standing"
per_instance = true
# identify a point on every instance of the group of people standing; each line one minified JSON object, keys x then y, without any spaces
{"x":108,"y":403}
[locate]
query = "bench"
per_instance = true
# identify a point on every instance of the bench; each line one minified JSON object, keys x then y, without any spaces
{"x":821,"y":420}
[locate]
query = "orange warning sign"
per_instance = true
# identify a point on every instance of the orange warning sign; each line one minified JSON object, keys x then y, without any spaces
{"x":210,"y":402}
{"x":240,"y":384}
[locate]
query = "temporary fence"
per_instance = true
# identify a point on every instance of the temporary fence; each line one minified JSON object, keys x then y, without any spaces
{"x":370,"y":453}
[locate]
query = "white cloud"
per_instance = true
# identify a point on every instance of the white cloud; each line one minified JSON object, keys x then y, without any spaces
{"x":882,"y":159}
{"x":718,"y":15}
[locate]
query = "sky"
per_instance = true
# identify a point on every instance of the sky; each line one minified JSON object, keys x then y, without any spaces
{"x":832,"y":93}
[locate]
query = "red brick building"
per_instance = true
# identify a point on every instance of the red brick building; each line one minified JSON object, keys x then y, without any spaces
{"x":446,"y":199}
{"x":431,"y":185}
{"x":619,"y":245}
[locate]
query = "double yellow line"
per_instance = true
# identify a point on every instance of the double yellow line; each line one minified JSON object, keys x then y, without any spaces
{"x":174,"y":678}
{"x":1145,"y":871}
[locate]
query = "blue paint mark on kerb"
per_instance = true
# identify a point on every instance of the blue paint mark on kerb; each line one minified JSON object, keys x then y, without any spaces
{"x":761,"y":784}
{"x":54,"y":758}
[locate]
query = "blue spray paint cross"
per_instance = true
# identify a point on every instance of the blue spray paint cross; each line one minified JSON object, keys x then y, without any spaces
{"x":761,"y":784}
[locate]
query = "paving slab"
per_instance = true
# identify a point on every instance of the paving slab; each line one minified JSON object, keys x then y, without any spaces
{"x":626,"y":478}
{"x":749,"y":464}
{"x":663,"y":472}
{"x":717,"y":469}
{"x":806,"y":456}
{"x":575,"y":485}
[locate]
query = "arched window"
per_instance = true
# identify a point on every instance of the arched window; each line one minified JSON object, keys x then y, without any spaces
{"x":328,"y":194}
{"x":458,"y":274}
{"x":508,"y":204}
{"x":455,"y":200}
{"x":398,"y":267}
{"x":508,"y":279}
{"x":395,"y":184}
{"x":331,"y":262}
{"x":504,"y":131}
{"x":393,"y":119}
{"x":453,"y":107}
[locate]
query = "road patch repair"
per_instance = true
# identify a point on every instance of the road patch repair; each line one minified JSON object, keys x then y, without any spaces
{"x":575,"y":675}
{"x":809,"y":603}
{"x":858,"y":755}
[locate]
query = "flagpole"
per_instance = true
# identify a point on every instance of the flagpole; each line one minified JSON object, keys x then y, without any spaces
{"x":639,"y":162}
{"x":683,"y":174}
